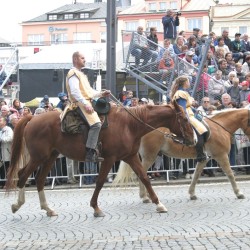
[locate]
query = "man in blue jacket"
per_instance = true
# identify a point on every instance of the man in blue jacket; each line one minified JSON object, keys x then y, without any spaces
{"x":170,"y":22}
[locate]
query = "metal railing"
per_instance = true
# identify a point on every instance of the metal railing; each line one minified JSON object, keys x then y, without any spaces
{"x":168,"y":167}
{"x":158,"y":67}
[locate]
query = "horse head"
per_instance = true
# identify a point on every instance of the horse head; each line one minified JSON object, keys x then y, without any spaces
{"x":188,"y":137}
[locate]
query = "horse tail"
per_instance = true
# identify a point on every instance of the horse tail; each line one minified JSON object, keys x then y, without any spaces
{"x":17,"y":153}
{"x":124,"y":175}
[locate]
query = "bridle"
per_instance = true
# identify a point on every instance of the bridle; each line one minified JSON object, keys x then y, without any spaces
{"x":167,"y":135}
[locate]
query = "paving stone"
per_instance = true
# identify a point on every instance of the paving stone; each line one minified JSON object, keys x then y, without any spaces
{"x":217,"y":220}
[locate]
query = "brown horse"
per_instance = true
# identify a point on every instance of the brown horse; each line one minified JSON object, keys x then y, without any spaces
{"x":120,"y":141}
{"x":222,"y":126}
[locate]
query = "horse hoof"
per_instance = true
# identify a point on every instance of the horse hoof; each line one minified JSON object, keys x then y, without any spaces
{"x":99,"y":214}
{"x":51,"y":213}
{"x":161,"y":208}
{"x":146,"y":200}
{"x":193,"y":198}
{"x":14,"y":208}
{"x":241,"y":196}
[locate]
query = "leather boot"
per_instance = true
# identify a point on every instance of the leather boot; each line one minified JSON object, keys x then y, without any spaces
{"x":201,"y":156}
{"x":92,"y":156}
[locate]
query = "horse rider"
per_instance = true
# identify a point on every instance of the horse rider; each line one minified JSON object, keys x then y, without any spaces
{"x":81,"y":94}
{"x":180,"y":94}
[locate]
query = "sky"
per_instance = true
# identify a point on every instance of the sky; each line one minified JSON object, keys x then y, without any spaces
{"x":13,"y":12}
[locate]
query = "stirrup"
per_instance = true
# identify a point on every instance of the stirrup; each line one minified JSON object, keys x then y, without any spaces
{"x":93,"y":156}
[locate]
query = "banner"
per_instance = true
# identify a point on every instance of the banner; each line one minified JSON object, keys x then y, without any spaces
{"x":241,"y":139}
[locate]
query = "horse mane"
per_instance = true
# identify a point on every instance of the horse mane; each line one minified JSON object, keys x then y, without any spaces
{"x":221,"y":113}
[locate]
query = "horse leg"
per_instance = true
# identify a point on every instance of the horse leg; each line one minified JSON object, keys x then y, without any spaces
{"x":225,"y":165}
{"x":104,"y":171}
{"x":20,"y":200}
{"x":23,"y":175}
{"x":143,"y":193}
{"x":44,"y":204}
{"x":148,"y":153}
{"x":40,"y":180}
{"x":146,"y":163}
{"x":142,"y":175}
{"x":25,"y":172}
{"x":198,"y":169}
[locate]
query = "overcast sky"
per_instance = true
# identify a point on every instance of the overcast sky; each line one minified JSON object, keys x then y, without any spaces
{"x":13,"y":12}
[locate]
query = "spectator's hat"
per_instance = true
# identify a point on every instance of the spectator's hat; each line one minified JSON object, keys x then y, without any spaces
{"x":46,"y":97}
{"x":196,"y":29}
{"x":245,"y":83}
{"x":101,"y":106}
{"x":189,"y":53}
{"x":237,"y":34}
{"x":143,"y":99}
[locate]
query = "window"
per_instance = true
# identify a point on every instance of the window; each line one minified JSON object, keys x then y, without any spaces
{"x":68,"y":16}
{"x":173,"y":5}
{"x":82,"y":37}
{"x":156,"y":24}
{"x":103,"y":37}
{"x":58,"y":38}
{"x":194,"y":23}
{"x":131,"y":26}
{"x":163,"y":5}
{"x":36,"y":39}
{"x":243,"y":29}
{"x":84,"y":15}
{"x":52,"y":17}
{"x":152,"y":7}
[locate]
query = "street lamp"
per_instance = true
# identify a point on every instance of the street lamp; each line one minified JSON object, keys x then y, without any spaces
{"x":216,"y":1}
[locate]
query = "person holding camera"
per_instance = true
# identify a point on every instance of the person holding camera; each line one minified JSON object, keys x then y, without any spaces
{"x":170,"y":23}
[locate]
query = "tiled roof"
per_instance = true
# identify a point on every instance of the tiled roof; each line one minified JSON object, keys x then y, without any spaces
{"x":135,"y":9}
{"x":98,"y":10}
{"x":198,"y":5}
{"x":230,"y":11}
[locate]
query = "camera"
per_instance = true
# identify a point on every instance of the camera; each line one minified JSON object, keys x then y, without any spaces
{"x":178,"y":13}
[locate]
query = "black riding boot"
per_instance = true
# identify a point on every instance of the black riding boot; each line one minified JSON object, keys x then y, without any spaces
{"x":201,"y":156}
{"x":92,"y":156}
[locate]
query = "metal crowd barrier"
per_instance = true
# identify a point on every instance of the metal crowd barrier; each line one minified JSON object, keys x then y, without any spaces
{"x":86,"y":172}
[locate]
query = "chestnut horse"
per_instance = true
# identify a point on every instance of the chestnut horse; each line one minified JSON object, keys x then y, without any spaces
{"x":222,"y":126}
{"x":44,"y":141}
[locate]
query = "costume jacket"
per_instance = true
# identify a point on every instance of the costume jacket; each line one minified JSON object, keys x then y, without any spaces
{"x":184,"y":95}
{"x":87,"y":92}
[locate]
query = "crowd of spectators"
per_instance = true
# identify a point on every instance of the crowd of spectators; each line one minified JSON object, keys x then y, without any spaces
{"x":225,"y":76}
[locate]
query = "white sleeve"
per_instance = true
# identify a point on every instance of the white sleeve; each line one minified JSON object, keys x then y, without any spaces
{"x":75,"y":90}
{"x":6,"y":135}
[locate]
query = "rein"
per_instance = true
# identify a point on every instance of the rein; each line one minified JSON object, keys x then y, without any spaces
{"x":168,"y":135}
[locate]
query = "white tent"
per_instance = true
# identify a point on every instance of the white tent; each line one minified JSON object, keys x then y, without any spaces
{"x":60,"y":57}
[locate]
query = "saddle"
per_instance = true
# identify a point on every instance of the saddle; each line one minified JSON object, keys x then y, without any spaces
{"x":73,"y":123}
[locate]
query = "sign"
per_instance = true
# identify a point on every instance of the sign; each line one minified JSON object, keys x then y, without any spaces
{"x":54,"y":29}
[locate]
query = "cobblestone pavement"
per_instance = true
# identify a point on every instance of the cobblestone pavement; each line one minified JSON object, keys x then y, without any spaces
{"x":217,"y":220}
